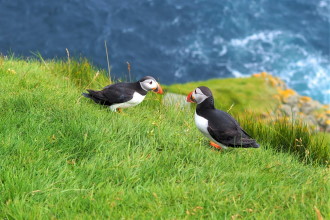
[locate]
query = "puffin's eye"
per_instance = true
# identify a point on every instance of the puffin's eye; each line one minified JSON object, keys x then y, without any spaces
{"x":150,"y":82}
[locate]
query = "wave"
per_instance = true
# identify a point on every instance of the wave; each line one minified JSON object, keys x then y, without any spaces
{"x":286,"y":55}
{"x":180,"y":41}
{"x":323,"y":8}
{"x":262,"y":36}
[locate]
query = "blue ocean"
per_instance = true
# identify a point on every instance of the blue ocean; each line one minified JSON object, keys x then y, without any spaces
{"x":179,"y":41}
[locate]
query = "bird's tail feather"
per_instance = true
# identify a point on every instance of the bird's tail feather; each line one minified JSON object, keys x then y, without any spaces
{"x":86,"y":95}
{"x":247,"y":143}
{"x":93,"y":95}
{"x":255,"y":145}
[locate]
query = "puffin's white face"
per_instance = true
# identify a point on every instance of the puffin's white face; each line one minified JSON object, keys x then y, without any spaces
{"x":151,"y":85}
{"x":197,"y":96}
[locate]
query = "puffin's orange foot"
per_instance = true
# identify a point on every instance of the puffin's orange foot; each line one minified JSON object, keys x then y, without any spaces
{"x":119,"y":110}
{"x":215,"y":145}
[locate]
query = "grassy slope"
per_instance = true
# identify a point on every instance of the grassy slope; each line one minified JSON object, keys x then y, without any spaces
{"x":64,"y":157}
{"x":239,"y":94}
{"x":248,"y":99}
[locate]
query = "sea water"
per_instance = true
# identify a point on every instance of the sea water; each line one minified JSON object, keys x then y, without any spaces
{"x":179,"y":40}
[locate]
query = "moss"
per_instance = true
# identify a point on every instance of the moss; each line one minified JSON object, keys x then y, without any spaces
{"x":305,"y":99}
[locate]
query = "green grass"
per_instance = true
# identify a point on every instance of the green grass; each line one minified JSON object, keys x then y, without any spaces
{"x":249,"y":100}
{"x":238,"y":94}
{"x":63,"y":157}
{"x":294,"y":137}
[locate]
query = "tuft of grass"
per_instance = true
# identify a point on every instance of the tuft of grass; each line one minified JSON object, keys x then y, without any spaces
{"x":64,"y":157}
{"x":295,"y":137}
{"x":80,"y":71}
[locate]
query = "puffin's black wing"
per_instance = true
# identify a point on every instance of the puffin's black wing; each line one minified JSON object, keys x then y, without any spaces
{"x":112,"y":94}
{"x":226,"y":130}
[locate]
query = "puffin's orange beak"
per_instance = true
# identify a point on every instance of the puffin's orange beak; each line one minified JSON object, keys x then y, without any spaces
{"x":190,"y":98}
{"x":158,"y":89}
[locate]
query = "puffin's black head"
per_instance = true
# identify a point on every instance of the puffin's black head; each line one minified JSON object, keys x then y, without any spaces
{"x":149,"y":83}
{"x":200,"y":94}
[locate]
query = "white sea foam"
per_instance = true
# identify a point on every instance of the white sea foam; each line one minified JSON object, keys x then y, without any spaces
{"x":262,"y":36}
{"x":223,"y":51}
{"x":323,"y":3}
{"x":175,"y":21}
{"x":128,"y":30}
{"x":324,"y":9}
{"x":235,"y":72}
{"x":296,"y":63}
{"x":218,"y":40}
{"x":317,"y":80}
{"x":179,"y":72}
{"x":197,"y":51}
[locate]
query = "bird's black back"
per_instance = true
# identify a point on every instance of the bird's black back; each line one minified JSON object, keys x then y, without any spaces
{"x":223,"y":127}
{"x":115,"y":93}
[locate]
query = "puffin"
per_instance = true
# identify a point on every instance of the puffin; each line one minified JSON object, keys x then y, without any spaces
{"x":124,"y":95}
{"x":218,"y":126}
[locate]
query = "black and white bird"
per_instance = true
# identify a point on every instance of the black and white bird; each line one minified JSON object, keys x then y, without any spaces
{"x":124,"y":95}
{"x":220,"y":127}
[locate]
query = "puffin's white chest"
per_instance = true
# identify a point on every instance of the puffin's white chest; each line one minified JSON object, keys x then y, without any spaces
{"x":202,"y":124}
{"x":137,"y":99}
